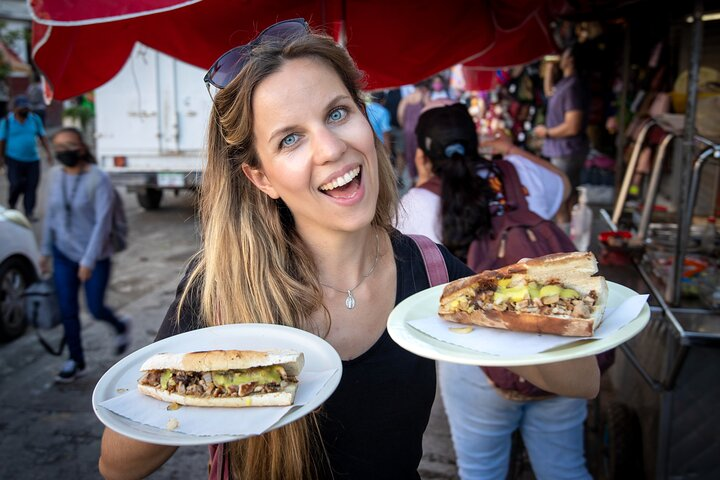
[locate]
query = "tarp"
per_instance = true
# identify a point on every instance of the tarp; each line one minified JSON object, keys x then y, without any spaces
{"x":393,"y":42}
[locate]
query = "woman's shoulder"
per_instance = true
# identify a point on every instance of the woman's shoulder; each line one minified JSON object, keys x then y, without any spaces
{"x":94,"y":169}
{"x":525,"y":167}
{"x":421,"y":195}
{"x":183,"y":315}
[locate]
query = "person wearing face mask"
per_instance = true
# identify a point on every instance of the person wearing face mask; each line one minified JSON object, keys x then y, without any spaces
{"x":76,"y":244}
{"x":439,"y":92}
{"x":18,"y":150}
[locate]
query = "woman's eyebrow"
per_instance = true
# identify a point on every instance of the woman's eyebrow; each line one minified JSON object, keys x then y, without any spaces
{"x":282,"y":131}
{"x":290,"y":128}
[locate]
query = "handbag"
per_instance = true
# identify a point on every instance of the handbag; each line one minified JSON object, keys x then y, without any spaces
{"x":42,"y":311}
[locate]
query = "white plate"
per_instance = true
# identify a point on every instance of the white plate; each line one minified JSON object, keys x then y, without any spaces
{"x":426,"y":303}
{"x":319,"y":356}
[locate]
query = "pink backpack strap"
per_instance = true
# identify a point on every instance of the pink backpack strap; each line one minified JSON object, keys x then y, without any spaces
{"x":511,"y":185}
{"x":218,"y":469}
{"x":432,"y":258}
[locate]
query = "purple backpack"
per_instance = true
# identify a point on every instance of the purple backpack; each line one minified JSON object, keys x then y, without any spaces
{"x":519,"y":233}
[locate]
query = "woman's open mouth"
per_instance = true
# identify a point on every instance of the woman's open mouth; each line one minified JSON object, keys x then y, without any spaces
{"x":345,"y":186}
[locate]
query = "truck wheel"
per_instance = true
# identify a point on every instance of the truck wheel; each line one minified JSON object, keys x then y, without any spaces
{"x":623,"y":442}
{"x":15,"y":277}
{"x":150,"y":198}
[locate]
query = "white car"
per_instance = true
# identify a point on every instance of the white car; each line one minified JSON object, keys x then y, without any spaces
{"x":19,"y":256}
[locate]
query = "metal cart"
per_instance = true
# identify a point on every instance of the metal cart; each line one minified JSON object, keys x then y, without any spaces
{"x":668,"y":375}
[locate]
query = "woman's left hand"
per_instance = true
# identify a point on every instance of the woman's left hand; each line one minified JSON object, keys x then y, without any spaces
{"x":540,"y":131}
{"x":84,"y":273}
{"x":499,"y":142}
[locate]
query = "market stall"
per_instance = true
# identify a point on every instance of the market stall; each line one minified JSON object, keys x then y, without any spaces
{"x":667,"y":376}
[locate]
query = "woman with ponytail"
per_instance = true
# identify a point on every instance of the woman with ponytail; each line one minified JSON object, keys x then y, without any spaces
{"x":460,"y":193}
{"x":297,"y":200}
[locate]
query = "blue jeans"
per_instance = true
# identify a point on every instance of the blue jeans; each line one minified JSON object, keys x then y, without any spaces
{"x":67,"y":286}
{"x":482,"y":422}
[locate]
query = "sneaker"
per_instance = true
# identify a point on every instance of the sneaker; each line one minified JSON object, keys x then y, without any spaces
{"x":122,"y":340}
{"x":71,"y":370}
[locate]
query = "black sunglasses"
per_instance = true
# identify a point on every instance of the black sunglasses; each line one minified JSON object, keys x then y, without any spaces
{"x":226,"y":68}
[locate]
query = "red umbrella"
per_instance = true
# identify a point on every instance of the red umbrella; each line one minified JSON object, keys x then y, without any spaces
{"x":395,"y":43}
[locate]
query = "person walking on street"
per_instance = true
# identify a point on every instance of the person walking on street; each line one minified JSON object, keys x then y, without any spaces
{"x":19,"y":132}
{"x":36,"y":97}
{"x":566,"y":143}
{"x":297,"y":203}
{"x":408,"y":113}
{"x":76,"y":237}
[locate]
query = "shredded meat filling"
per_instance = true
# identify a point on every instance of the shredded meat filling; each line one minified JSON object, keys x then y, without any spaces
{"x":201,"y":385}
{"x":551,"y":305}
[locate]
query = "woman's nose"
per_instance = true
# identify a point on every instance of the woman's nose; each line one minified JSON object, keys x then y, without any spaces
{"x":327,"y":146}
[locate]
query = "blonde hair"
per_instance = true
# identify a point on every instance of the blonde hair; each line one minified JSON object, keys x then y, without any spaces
{"x":253,"y":266}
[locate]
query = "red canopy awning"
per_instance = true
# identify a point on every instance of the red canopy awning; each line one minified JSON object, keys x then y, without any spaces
{"x":395,"y":43}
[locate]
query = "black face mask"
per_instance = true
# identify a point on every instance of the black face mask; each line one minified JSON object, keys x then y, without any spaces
{"x":69,"y":158}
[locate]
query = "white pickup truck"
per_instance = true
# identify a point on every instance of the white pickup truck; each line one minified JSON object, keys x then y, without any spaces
{"x":150,"y":125}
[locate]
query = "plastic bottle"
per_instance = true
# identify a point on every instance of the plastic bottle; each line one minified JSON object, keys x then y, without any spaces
{"x":707,"y":242}
{"x":581,"y":221}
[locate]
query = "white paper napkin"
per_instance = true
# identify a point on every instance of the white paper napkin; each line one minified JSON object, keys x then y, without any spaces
{"x":506,"y":343}
{"x":205,"y":421}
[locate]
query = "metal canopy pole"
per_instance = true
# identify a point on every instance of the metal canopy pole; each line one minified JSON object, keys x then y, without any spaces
{"x":622,"y":112}
{"x":685,"y":213}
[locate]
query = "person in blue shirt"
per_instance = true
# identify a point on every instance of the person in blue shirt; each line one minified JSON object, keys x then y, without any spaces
{"x":379,"y":117}
{"x":18,"y":150}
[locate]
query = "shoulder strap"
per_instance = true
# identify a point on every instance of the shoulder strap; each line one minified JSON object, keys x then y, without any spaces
{"x":433,"y":185}
{"x":218,"y":467}
{"x":6,"y":119}
{"x":49,"y":348}
{"x":435,"y":266}
{"x":93,"y":181}
{"x":511,"y":184}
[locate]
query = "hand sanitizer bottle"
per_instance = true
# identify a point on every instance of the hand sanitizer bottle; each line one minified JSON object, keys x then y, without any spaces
{"x":581,"y":221}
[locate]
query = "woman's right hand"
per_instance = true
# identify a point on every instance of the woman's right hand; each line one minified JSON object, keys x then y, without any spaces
{"x":44,"y":264}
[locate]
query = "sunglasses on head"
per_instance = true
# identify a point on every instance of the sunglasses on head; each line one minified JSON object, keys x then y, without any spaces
{"x":226,"y":68}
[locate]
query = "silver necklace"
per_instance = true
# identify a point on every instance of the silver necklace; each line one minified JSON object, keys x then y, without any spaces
{"x":350,"y":300}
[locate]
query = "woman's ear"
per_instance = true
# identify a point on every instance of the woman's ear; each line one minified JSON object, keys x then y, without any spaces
{"x":260,"y":180}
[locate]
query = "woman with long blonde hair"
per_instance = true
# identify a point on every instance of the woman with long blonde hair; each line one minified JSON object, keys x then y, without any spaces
{"x":297,"y":204}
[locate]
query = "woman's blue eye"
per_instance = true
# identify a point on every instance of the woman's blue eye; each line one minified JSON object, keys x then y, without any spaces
{"x":338,"y":114}
{"x":289,"y":141}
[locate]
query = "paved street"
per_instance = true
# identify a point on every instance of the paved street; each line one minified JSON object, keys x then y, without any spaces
{"x":50,"y":432}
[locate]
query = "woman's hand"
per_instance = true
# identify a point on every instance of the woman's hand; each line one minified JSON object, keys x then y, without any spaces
{"x":499,"y":142}
{"x":44,"y":264}
{"x":540,"y":131}
{"x":579,"y":378}
{"x":84,"y":273}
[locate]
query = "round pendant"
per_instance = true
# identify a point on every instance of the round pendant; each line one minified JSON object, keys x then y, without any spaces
{"x":350,"y":301}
